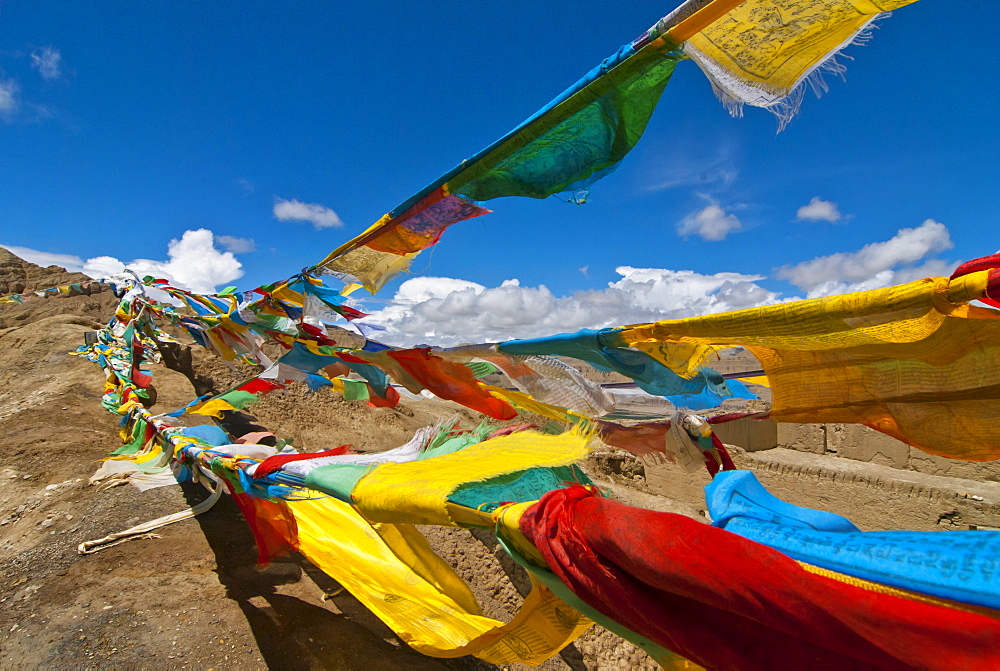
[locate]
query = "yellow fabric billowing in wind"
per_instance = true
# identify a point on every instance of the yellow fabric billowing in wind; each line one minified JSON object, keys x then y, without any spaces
{"x":914,"y":361}
{"x":756,"y":379}
{"x":773,"y":44}
{"x":391,"y":569}
{"x":213,"y":408}
{"x":372,"y":268}
{"x":523,"y":401}
{"x":685,"y":359}
{"x":417,"y":492}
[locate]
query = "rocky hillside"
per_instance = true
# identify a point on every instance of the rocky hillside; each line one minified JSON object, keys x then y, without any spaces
{"x":18,"y":275}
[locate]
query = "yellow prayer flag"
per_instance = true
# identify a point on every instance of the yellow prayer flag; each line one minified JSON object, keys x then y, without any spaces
{"x":915,"y":361}
{"x":417,"y":492}
{"x":394,"y":573}
{"x":761,"y":50}
{"x":212,"y":407}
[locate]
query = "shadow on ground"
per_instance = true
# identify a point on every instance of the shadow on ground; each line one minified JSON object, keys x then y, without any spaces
{"x":292,"y":633}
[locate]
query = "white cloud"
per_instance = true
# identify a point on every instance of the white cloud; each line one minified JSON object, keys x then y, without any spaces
{"x":294,"y":210}
{"x":245,"y":184}
{"x":9,"y":100}
{"x":717,"y":174}
{"x":711,"y":223}
{"x":819,"y":210}
{"x":102,"y":266}
{"x":70,"y":262}
{"x":48,"y":62}
{"x":709,"y":164}
{"x":236,"y":245}
{"x":875,"y":265}
{"x":446,"y":311}
{"x":192,"y":263}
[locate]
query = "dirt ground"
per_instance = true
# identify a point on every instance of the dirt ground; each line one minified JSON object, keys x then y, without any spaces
{"x":192,"y":596}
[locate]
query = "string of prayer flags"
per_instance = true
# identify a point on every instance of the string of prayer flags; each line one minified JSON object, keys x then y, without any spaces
{"x":915,"y":361}
{"x":757,"y":52}
{"x":239,"y":398}
{"x":644,"y":573}
{"x":605,"y":350}
{"x":573,"y":141}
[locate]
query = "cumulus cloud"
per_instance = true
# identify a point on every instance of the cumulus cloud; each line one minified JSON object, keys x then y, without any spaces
{"x":819,"y":210}
{"x":447,"y":311}
{"x":48,"y":62}
{"x":192,"y":263}
{"x":875,"y":265}
{"x":237,"y":245}
{"x":294,"y":210}
{"x":711,"y":223}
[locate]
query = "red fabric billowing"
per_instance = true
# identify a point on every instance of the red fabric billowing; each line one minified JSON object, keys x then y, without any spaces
{"x":638,"y":439}
{"x":390,"y":400}
{"x":733,"y":416}
{"x":991,"y":263}
{"x":272,"y":464}
{"x":727,"y":460}
{"x":350,"y":358}
{"x":149,"y":433}
{"x":139,"y":379}
{"x":975,"y":265}
{"x":272,"y":524}
{"x":723,"y":601}
{"x":452,"y":381}
{"x":317,"y":333}
{"x":257,"y":386}
{"x":718,"y":459}
{"x":507,"y":430}
{"x":350,"y":314}
{"x":992,"y":296}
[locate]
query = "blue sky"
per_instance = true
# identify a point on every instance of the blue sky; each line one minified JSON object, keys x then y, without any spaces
{"x":124,"y":125}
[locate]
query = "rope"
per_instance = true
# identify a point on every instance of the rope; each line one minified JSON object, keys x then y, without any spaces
{"x":143,"y":530}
